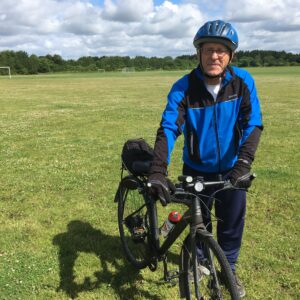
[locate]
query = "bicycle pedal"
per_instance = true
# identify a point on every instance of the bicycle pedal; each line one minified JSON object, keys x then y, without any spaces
{"x":138,"y":234}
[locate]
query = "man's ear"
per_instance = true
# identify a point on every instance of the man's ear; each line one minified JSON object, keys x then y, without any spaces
{"x":198,"y":53}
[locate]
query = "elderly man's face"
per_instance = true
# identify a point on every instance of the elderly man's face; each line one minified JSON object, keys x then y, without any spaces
{"x":214,"y":58}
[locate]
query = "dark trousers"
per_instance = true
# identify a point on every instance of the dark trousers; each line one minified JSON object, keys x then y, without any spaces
{"x":230,"y":208}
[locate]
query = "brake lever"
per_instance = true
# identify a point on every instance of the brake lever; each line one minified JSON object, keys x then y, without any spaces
{"x":228,"y":185}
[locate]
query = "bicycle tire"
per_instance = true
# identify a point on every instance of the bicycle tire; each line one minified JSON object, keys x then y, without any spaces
{"x":132,"y":215}
{"x":215,"y":278}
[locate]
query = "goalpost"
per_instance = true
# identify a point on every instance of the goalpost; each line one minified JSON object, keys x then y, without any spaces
{"x":8,"y":68}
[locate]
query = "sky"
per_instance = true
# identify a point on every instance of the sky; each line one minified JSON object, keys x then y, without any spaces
{"x":76,"y":28}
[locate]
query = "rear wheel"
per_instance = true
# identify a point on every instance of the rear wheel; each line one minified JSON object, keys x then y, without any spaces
{"x":133,"y":219}
{"x":214,"y":276}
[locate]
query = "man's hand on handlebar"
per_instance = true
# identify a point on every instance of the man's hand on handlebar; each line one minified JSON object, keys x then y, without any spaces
{"x":240,"y":176}
{"x":160,"y":187}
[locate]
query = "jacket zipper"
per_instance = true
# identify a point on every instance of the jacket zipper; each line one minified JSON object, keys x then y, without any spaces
{"x":217,"y":136}
{"x":191,"y":144}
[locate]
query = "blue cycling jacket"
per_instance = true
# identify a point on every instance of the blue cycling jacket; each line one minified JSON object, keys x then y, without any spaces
{"x":216,"y":133}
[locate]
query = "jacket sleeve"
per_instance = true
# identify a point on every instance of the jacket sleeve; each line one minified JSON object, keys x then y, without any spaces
{"x":171,"y":126}
{"x":251,"y":119}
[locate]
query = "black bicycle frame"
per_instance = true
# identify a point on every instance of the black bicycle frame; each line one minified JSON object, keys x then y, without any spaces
{"x":193,"y":217}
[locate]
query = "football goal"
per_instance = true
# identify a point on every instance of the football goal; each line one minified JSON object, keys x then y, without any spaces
{"x":8,"y":70}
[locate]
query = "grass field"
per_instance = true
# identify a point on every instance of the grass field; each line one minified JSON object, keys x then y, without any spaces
{"x":60,"y":141}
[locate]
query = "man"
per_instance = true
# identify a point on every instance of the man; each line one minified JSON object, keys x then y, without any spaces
{"x":217,"y":109}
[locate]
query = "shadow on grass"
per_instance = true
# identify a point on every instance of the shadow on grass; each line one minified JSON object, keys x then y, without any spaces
{"x":81,"y":237}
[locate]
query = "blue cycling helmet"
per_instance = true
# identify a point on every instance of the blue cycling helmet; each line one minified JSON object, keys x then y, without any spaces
{"x":217,"y":32}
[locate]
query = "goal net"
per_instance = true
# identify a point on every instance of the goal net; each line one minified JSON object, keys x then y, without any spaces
{"x":6,"y":71}
{"x":127,"y":69}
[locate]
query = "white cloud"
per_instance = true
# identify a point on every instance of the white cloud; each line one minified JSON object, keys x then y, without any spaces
{"x":170,"y":21}
{"x":251,"y":11}
{"x":75,"y":28}
{"x":266,"y":25}
{"x":126,"y":11}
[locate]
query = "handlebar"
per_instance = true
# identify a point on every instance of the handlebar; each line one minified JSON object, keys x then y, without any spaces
{"x":189,"y":185}
{"x":199,"y":184}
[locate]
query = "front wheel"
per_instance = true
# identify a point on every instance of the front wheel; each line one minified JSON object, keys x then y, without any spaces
{"x":133,"y":220}
{"x":214,"y":278}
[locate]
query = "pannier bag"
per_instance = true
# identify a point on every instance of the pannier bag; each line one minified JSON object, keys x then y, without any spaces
{"x":136,"y":156}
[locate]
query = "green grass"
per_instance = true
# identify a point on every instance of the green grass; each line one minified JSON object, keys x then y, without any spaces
{"x":60,"y":143}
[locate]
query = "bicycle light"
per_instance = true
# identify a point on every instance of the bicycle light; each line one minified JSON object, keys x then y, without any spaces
{"x":199,"y":186}
{"x":189,"y":179}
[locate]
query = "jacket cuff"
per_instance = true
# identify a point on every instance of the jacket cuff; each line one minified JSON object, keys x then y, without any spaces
{"x":155,"y":168}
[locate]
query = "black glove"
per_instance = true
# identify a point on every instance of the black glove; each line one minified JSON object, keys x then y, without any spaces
{"x":240,"y":176}
{"x":161,"y":187}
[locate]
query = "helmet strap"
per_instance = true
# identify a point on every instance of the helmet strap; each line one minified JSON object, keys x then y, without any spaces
{"x":214,"y":76}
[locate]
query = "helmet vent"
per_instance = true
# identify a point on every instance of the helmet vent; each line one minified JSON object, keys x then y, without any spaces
{"x":209,"y":28}
{"x":223,"y":28}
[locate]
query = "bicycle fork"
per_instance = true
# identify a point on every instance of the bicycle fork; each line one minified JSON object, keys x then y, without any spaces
{"x":197,"y":223}
{"x":196,"y":226}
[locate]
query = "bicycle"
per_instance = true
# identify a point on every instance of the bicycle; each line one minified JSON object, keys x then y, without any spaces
{"x":206,"y":277}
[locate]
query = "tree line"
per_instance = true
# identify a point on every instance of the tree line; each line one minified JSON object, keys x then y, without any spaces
{"x":21,"y":62}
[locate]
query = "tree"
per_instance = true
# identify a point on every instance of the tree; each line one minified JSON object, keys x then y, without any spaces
{"x":33,"y":64}
{"x":269,"y":61}
{"x":44,"y":65}
{"x":21,"y":63}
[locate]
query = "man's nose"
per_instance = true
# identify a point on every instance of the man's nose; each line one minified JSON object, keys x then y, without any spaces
{"x":214,"y":55}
